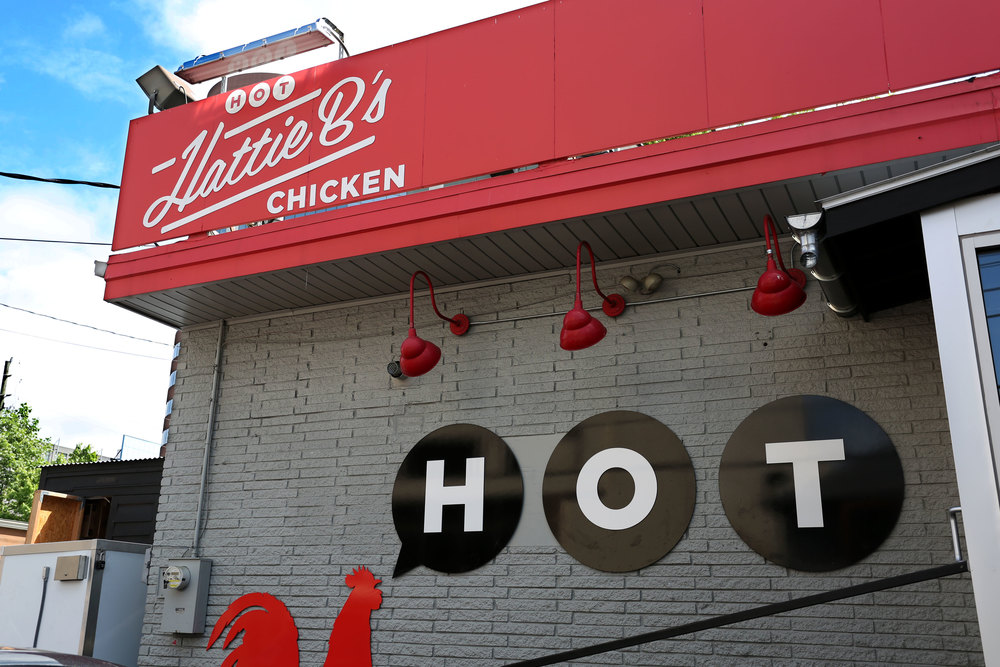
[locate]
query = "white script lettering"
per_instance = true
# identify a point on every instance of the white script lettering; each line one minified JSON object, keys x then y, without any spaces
{"x":210,"y":167}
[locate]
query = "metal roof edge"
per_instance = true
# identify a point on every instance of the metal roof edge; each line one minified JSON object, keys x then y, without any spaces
{"x":94,"y":463}
{"x":904,"y":180}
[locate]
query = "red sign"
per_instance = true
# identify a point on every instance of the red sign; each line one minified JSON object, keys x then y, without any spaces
{"x":321,"y":138}
{"x":551,"y":81}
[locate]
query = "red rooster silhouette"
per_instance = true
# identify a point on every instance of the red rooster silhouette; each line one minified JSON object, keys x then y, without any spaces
{"x":270,"y":638}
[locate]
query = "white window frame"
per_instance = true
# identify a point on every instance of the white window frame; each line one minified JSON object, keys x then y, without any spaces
{"x":971,"y":245}
{"x":952,"y":236}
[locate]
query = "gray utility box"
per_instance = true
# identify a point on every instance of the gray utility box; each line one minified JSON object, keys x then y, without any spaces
{"x":72,"y":568}
{"x":84,"y":596}
{"x":184,"y":590}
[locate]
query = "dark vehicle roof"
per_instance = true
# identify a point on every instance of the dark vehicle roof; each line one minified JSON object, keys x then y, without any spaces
{"x":29,"y":657}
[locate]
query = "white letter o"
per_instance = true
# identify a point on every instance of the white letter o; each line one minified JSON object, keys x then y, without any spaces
{"x":645,"y":488}
{"x":259,"y":94}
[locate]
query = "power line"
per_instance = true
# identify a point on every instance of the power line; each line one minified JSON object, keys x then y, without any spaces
{"x":12,"y":238}
{"x":91,"y":347}
{"x":87,"y":326}
{"x":60,"y":181}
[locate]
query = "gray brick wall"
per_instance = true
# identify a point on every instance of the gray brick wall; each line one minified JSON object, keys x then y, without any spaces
{"x":311,"y":431}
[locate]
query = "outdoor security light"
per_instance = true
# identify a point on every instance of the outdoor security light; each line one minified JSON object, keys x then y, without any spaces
{"x":629,"y":283}
{"x":164,"y":90}
{"x":652,"y":282}
{"x":646,"y":285}
{"x":262,"y":51}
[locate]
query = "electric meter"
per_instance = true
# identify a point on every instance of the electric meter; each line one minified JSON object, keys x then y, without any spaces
{"x":184,"y":591}
{"x":176,"y":577}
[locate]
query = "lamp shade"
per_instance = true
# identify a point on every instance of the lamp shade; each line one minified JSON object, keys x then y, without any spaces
{"x":580,"y":329}
{"x":417,"y":356}
{"x":779,"y":290}
{"x":777,"y":293}
{"x":798,"y":275}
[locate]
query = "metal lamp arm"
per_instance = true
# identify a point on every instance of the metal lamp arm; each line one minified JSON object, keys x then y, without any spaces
{"x":612,"y":305}
{"x":459,"y":323}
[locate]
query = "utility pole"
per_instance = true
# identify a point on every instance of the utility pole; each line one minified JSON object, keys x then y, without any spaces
{"x":3,"y":384}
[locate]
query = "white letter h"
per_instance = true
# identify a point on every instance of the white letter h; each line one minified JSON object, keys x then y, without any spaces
{"x":470,"y":494}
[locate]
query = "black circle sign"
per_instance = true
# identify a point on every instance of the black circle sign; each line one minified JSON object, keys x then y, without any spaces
{"x":457,"y":500}
{"x":811,"y":483}
{"x":619,"y":491}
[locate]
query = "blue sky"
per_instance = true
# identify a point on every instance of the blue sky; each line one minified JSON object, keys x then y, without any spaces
{"x":67,"y":94}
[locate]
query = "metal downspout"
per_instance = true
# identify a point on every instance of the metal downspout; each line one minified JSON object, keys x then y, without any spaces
{"x":209,"y":438}
{"x":809,"y":230}
{"x":830,"y":278}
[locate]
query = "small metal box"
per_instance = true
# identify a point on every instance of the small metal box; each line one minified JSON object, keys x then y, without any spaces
{"x":184,"y":590}
{"x":71,"y":568}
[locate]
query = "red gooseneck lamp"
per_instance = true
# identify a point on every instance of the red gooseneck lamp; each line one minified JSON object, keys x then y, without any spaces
{"x":779,"y":290}
{"x":416,"y":355}
{"x":580,"y":330}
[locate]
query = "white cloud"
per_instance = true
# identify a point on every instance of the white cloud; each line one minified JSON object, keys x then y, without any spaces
{"x":86,"y":160}
{"x":85,"y":26}
{"x":95,"y":74}
{"x":198,"y":27}
{"x":79,"y":394}
{"x":82,"y":57}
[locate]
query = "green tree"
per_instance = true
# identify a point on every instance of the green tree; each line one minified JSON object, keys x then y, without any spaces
{"x":22,"y":452}
{"x":81,"y":454}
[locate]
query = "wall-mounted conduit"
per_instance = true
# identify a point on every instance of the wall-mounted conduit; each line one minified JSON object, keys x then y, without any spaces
{"x":630,"y":304}
{"x":213,"y":408}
